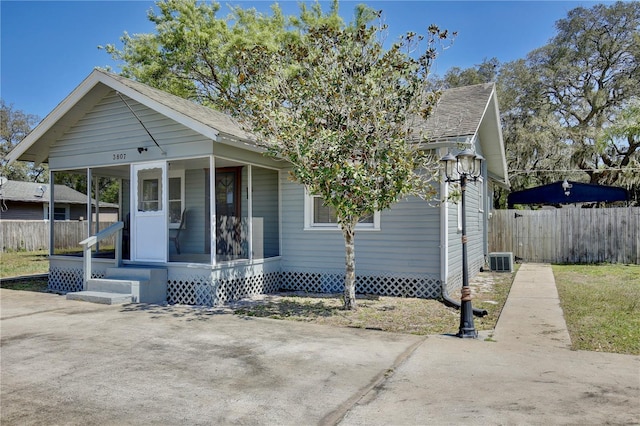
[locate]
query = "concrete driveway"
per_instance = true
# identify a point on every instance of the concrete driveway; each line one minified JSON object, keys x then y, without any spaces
{"x":68,"y":362}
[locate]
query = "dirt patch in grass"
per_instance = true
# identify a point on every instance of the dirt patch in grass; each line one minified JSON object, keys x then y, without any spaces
{"x":395,"y":314}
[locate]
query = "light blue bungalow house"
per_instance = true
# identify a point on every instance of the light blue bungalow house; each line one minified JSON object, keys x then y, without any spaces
{"x":206,"y":217}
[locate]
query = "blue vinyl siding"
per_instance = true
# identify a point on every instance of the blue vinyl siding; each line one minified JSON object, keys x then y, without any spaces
{"x":408,"y":240}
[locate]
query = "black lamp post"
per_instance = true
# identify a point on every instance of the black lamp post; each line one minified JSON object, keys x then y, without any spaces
{"x":464,"y":166}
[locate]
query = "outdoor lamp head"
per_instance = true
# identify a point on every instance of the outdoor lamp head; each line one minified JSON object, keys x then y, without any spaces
{"x":449,"y":162}
{"x":466,"y":161}
{"x":477,"y":165}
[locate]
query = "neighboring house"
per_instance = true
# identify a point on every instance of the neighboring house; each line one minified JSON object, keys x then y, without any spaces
{"x":30,"y":201}
{"x":200,"y":199}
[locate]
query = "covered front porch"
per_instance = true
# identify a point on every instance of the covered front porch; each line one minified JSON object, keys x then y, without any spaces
{"x":212,"y":222}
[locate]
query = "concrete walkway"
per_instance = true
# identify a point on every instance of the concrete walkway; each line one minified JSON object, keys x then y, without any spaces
{"x":532,"y":315}
{"x":525,"y":373}
{"x":66,"y":362}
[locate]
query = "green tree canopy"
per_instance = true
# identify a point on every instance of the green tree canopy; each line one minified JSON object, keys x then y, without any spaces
{"x":324,"y":95}
{"x":564,"y":105}
{"x":559,"y":102}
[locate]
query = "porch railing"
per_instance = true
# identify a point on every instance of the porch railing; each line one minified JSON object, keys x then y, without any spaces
{"x":88,"y":243}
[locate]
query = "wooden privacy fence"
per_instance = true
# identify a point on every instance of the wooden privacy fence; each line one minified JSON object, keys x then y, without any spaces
{"x":569,"y":235}
{"x":30,"y":235}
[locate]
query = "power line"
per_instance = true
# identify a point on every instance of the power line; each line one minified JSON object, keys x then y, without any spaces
{"x":613,"y":169}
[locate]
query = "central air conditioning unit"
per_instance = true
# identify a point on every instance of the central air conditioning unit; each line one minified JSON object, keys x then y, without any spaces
{"x":501,"y":262}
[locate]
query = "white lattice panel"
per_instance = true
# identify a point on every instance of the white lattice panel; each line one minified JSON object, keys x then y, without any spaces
{"x":406,"y":285}
{"x":200,"y":290}
{"x":190,"y":290}
{"x":65,"y":280}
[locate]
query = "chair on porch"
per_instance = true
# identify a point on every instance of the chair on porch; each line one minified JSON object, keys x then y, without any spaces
{"x":176,"y":237}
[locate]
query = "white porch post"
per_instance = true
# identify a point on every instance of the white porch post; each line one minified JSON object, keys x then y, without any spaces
{"x":89,"y":210}
{"x":212,"y":208}
{"x":96,"y":189}
{"x":86,"y":256}
{"x":250,"y":210}
{"x":52,"y":239}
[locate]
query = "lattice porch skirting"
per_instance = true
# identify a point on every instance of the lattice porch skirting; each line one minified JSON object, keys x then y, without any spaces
{"x":210,"y":288}
{"x":379,"y":283}
{"x":221,"y":286}
{"x":65,"y":279}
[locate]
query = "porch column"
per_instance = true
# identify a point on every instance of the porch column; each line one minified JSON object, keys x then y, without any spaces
{"x":89,"y":212}
{"x":212,"y":208}
{"x":96,"y":189}
{"x":250,"y":210}
{"x":52,"y":240}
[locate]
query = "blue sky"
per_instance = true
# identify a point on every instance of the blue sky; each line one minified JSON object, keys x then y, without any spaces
{"x":49,"y":47}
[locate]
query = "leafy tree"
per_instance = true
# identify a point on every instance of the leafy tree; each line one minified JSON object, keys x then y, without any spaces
{"x":14,"y":126}
{"x":485,"y":72}
{"x":193,"y":52}
{"x":323,"y":95}
{"x":620,"y":138}
{"x":338,"y":107}
{"x":558,"y":101}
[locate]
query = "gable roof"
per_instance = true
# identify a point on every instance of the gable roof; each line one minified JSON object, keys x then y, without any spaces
{"x":34,"y":192}
{"x":464,"y":115}
{"x":206,"y":121}
{"x":461,"y":115}
{"x":459,"y":112}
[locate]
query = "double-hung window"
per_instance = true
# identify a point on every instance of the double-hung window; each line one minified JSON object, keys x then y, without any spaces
{"x":319,"y":216}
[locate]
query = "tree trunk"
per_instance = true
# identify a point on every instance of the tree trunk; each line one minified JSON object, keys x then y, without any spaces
{"x":350,"y":267}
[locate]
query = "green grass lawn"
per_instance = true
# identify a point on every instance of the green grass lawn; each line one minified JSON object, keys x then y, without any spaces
{"x":19,"y":263}
{"x":601,"y":305}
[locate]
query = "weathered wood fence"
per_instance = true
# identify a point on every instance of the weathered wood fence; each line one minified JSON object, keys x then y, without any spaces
{"x":30,"y":235}
{"x":569,"y":235}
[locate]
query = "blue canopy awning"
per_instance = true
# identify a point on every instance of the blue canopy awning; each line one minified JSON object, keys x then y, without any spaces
{"x":554,"y":193}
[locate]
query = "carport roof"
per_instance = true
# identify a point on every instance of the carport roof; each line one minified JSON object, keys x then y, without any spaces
{"x":554,"y":193}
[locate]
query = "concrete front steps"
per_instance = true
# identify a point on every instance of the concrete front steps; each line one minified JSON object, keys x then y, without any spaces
{"x":125,"y":285}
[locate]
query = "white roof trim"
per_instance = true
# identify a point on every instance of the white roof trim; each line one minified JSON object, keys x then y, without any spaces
{"x":54,"y":116}
{"x":82,"y":90}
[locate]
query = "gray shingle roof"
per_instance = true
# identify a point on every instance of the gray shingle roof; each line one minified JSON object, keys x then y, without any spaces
{"x":13,"y":190}
{"x":457,"y":113}
{"x":207,"y":116}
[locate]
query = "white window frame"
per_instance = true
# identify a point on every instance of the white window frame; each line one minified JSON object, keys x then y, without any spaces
{"x":310,"y":225}
{"x":482,"y":199}
{"x":176,"y":174}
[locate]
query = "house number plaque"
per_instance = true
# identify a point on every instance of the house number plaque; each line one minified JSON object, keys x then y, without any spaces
{"x":119,"y":156}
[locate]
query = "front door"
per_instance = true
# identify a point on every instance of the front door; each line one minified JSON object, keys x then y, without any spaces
{"x":149,"y":211}
{"x":228,"y":224}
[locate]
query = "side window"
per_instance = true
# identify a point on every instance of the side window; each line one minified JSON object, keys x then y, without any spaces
{"x":176,"y":197}
{"x":320,"y":216}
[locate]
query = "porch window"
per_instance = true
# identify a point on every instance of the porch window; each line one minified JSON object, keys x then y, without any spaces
{"x":176,"y":198}
{"x":320,"y":216}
